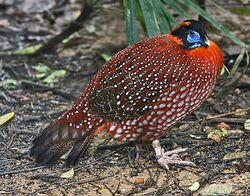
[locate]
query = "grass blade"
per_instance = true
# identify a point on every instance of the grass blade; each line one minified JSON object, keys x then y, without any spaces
{"x":175,"y":5}
{"x":131,"y":22}
{"x":149,"y":17}
{"x":165,"y":20}
{"x":237,"y":62}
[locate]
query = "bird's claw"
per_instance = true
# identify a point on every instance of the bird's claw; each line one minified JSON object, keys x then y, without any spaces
{"x":169,"y":157}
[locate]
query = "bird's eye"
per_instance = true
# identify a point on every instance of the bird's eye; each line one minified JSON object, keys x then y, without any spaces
{"x":193,"y":37}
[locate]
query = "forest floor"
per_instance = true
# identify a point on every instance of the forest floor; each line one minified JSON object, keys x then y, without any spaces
{"x":215,"y":135}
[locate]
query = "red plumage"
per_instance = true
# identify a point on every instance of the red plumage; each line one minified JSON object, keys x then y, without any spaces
{"x":142,"y":92}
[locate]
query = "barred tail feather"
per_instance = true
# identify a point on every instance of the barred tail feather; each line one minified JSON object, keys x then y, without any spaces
{"x":78,"y":150}
{"x":55,"y":140}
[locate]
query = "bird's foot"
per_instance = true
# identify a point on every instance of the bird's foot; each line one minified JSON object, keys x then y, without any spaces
{"x":169,"y":157}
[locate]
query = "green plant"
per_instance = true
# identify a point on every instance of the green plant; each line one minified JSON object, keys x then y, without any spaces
{"x":156,"y":19}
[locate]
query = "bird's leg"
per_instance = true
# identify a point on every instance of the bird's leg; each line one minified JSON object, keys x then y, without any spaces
{"x":169,"y":157}
{"x":134,"y":158}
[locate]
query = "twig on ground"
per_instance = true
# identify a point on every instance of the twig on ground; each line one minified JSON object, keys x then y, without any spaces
{"x":95,"y":161}
{"x":72,"y":28}
{"x":20,"y":131}
{"x":4,"y":96}
{"x":42,"y":87}
{"x":82,"y":181}
{"x":228,"y":113}
{"x":210,"y":175}
{"x":21,"y":170}
{"x":234,"y":82}
{"x":228,"y":120}
{"x":113,"y":193}
{"x":115,"y":146}
{"x":12,"y":71}
{"x":216,"y":106}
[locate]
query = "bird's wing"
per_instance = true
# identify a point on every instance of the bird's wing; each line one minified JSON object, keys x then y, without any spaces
{"x":134,"y":78}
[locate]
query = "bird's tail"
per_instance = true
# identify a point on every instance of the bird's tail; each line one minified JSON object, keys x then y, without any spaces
{"x":56,"y":139}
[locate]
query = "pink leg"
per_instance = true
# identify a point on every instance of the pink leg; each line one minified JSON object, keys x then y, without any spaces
{"x":169,"y":157}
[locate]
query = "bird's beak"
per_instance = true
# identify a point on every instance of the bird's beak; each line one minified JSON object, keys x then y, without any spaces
{"x":206,"y":41}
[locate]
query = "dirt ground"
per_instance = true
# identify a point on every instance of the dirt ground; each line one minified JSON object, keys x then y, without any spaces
{"x":216,"y":139}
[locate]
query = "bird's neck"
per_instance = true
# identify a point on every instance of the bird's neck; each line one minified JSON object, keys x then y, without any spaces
{"x":211,"y":56}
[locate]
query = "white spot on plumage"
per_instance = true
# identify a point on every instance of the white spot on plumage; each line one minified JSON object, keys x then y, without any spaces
{"x":117,"y":135}
{"x":149,"y":133}
{"x":112,"y":128}
{"x":139,"y":130}
{"x":119,"y":130}
{"x":162,"y":105}
{"x":169,"y":112}
{"x":181,"y":103}
{"x":160,"y":112}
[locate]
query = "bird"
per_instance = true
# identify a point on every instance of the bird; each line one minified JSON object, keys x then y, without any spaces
{"x":138,"y":95}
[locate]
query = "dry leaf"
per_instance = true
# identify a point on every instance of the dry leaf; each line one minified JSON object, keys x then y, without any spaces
{"x":217,"y":135}
{"x":68,"y":53}
{"x":235,"y":132}
{"x":235,"y":155}
{"x":217,"y":189}
{"x":241,"y":165}
{"x":194,"y":186}
{"x":240,"y":112}
{"x":68,"y":174}
{"x":223,"y":126}
{"x":247,"y":124}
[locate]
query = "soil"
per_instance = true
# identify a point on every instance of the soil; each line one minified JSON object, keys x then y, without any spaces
{"x":109,"y":167}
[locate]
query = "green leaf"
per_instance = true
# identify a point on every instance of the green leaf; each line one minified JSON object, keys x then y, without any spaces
{"x":224,"y":68}
{"x":40,"y":75}
{"x":6,"y":117}
{"x":150,"y":17}
{"x":244,"y":11}
{"x":66,"y":40}
{"x":54,"y":76}
{"x":196,"y":8}
{"x":139,"y":15}
{"x":221,"y":8}
{"x":9,"y":84}
{"x":222,"y":71}
{"x":27,"y":50}
{"x":106,"y":57}
{"x":218,"y":135}
{"x":131,"y":22}
{"x":164,"y":19}
{"x":175,"y":5}
{"x":42,"y":68}
{"x":237,"y":62}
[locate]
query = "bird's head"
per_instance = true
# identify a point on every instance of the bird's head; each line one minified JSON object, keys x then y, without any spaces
{"x":192,"y":34}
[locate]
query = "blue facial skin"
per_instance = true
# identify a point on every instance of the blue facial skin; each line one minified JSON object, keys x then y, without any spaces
{"x":194,"y":39}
